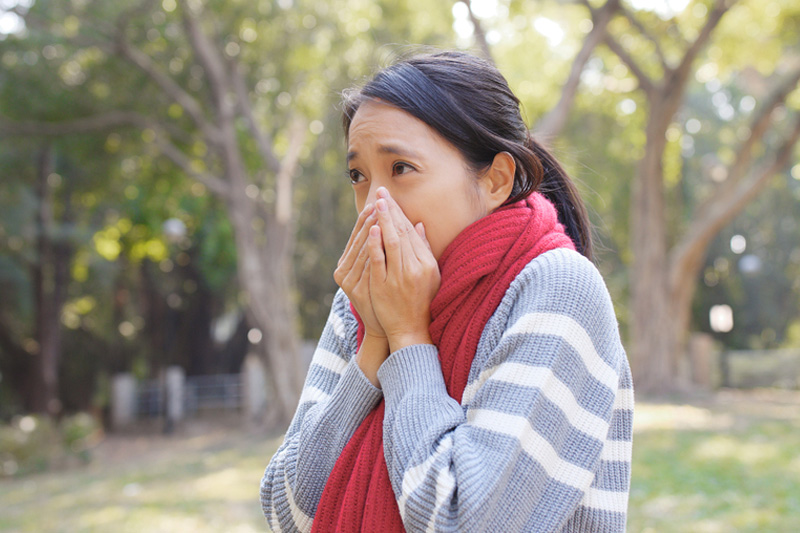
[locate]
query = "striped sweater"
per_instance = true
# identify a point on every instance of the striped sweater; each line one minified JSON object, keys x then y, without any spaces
{"x":540,"y":442}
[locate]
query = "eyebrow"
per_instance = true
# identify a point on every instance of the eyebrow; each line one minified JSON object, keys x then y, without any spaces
{"x":389,"y":149}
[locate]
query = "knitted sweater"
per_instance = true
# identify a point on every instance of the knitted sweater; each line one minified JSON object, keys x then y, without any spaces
{"x":540,"y":442}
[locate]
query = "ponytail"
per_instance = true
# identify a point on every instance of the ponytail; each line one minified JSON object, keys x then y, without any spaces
{"x":551,"y":180}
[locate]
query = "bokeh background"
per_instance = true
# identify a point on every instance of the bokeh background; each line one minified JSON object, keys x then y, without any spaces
{"x":173,"y":201}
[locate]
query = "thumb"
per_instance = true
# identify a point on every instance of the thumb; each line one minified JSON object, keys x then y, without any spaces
{"x":420,"y":227}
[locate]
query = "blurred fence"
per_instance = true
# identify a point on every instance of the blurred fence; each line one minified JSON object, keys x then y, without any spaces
{"x":199,"y":393}
{"x":220,"y":391}
{"x":175,"y":397}
{"x":708,"y":367}
{"x":748,"y":369}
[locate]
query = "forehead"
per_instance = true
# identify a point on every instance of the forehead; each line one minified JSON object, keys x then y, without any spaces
{"x":376,"y":121}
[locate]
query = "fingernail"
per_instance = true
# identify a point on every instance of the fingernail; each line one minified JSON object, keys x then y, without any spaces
{"x":383,"y":192}
{"x":368,"y":208}
{"x":381,"y":204}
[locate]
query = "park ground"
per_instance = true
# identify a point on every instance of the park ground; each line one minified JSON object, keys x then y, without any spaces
{"x":727,"y":462}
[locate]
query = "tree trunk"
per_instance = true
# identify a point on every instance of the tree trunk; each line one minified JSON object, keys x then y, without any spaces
{"x":50,"y":278}
{"x":683,"y":285}
{"x":263,"y":269}
{"x":652,"y":320}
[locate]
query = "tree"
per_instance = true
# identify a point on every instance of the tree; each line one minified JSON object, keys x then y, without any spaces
{"x":215,"y":120}
{"x":222,"y":90}
{"x":667,"y":234}
{"x":664,"y":275}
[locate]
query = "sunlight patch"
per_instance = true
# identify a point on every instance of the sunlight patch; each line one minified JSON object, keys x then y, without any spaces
{"x":724,"y":447}
{"x":649,"y":417}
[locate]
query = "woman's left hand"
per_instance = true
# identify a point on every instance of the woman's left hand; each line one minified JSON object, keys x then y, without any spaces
{"x":404,"y":275}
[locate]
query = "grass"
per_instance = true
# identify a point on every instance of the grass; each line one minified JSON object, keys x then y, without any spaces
{"x":195,"y":483}
{"x":727,"y":463}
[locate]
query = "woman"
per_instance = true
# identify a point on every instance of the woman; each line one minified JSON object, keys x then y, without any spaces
{"x":470,"y":376}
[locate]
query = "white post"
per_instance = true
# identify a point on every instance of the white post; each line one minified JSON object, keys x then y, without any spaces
{"x":123,"y":400}
{"x":254,"y":384}
{"x":175,"y":378}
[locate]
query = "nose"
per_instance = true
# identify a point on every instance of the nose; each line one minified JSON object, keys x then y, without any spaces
{"x":373,"y":190}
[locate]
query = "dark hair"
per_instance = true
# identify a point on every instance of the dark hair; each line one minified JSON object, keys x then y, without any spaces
{"x":468,"y":102}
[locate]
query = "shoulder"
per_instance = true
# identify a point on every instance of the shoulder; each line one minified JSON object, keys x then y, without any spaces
{"x":559,"y":294}
{"x":559,"y":281}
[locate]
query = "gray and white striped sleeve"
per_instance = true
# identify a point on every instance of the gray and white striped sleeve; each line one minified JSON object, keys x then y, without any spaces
{"x":542,"y":438}
{"x":335,"y":399}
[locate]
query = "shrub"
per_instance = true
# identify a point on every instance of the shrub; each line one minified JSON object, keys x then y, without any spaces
{"x":28,"y":444}
{"x":33,"y":443}
{"x":78,"y":432}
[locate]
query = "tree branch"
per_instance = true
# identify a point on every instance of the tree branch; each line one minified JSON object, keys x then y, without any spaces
{"x":553,"y":122}
{"x":213,"y":183}
{"x":480,"y":35}
{"x":146,"y":64}
{"x":112,"y":120}
{"x":720,"y":8}
{"x":760,"y":124}
{"x":724,"y":207}
{"x":647,"y":35}
{"x":95,"y":123}
{"x":283,"y":207}
{"x":263,"y":141}
{"x":209,"y":58}
{"x":645,"y":82}
{"x":19,"y":11}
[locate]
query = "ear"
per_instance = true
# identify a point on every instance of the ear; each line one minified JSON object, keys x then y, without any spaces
{"x":498,"y":180}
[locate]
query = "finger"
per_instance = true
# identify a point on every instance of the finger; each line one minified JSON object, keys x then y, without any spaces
{"x":357,"y":241}
{"x":377,"y":257}
{"x":401,"y":222}
{"x":356,"y":271}
{"x":360,"y":289}
{"x":411,"y":247}
{"x":368,"y":210}
{"x":419,"y":244}
{"x":420,"y":227}
{"x":391,"y":239}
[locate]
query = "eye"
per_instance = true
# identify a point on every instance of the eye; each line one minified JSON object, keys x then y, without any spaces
{"x":355,"y":176}
{"x":402,"y":168}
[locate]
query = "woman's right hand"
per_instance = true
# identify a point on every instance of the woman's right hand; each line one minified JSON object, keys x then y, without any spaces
{"x":352,"y":273}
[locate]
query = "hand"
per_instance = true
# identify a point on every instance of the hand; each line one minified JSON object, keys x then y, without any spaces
{"x":404,"y":275}
{"x":352,"y":273}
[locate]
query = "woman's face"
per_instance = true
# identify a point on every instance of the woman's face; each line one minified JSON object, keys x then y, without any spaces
{"x":425,"y":174}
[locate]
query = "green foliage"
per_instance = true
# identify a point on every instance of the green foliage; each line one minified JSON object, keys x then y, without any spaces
{"x":28,"y":444}
{"x":79,"y":431}
{"x":33,"y":443}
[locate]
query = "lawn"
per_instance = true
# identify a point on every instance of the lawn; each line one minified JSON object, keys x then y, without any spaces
{"x":726,"y":463}
{"x":202,"y":480}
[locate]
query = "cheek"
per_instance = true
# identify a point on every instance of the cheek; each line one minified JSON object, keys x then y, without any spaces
{"x":360,"y":197}
{"x":435,"y":217}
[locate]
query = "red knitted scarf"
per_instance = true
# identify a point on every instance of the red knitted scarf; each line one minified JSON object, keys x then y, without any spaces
{"x":477,"y":269}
